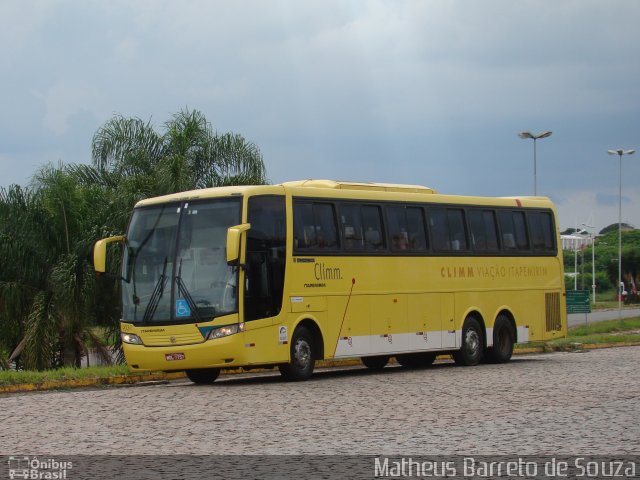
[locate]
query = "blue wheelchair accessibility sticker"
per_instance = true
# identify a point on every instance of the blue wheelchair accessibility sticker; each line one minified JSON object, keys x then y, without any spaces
{"x":182,"y":308}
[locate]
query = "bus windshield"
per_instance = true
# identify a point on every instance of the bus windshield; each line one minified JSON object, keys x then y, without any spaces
{"x":174,"y":264}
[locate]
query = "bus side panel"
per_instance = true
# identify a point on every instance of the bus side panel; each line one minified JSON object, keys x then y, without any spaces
{"x":349,"y":327}
{"x":263,"y":343}
{"x":389,"y":326}
{"x":431,"y":321}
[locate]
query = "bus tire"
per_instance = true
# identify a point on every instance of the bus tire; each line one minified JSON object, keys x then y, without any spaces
{"x":377,"y":362}
{"x":504,"y":338}
{"x":471,"y":350}
{"x":416,"y":360}
{"x":203,"y":376}
{"x":303,"y":359}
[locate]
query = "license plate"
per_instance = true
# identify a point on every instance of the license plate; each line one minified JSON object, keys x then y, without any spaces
{"x":170,"y":357}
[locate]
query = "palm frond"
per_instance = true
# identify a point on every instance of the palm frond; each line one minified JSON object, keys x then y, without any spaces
{"x":41,"y":334}
{"x":100,"y":348}
{"x":120,"y":138}
{"x":231,"y":158}
{"x":89,"y":175}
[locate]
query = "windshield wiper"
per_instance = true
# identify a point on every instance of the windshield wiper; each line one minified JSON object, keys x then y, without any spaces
{"x":182,"y":290}
{"x":158,"y":290}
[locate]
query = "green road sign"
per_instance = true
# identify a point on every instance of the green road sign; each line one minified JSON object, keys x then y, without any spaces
{"x":578,"y":301}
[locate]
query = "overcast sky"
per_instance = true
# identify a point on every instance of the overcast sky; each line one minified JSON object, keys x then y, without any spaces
{"x":422,"y":92}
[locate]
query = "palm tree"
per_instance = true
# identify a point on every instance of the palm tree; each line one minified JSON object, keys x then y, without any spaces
{"x":21,"y":255}
{"x":132,"y":161}
{"x":47,"y":290}
{"x":188,"y":155}
{"x":50,"y":299}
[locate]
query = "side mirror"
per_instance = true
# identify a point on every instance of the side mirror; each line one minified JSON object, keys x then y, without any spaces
{"x":234,"y":239}
{"x":100,"y":253}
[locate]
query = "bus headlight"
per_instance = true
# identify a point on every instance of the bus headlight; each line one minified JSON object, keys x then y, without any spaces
{"x":130,"y":338}
{"x":225,"y":331}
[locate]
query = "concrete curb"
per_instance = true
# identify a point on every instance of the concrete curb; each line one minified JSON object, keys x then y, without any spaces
{"x":89,"y":382}
{"x":165,"y":377}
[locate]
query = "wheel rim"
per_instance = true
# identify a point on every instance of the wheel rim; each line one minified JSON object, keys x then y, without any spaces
{"x":472,"y":342}
{"x":302,"y":353}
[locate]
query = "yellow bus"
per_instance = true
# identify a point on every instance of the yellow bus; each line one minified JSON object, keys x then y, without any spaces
{"x":284,"y":275}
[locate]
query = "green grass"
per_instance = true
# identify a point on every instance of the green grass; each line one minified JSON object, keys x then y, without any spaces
{"x":607,"y":326}
{"x":11,"y":377}
{"x":612,"y":304}
{"x":610,"y":331}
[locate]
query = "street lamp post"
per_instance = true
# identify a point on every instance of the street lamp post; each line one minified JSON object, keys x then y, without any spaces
{"x":575,"y":260}
{"x":577,"y":236}
{"x":534,"y":137}
{"x":620,"y":152}
{"x":593,"y":261}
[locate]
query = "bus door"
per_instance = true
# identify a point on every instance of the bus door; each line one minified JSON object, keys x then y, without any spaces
{"x":265,"y":259}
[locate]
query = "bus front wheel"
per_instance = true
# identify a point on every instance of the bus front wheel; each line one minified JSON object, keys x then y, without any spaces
{"x":471,"y":350}
{"x":203,"y":376}
{"x":300,"y":366}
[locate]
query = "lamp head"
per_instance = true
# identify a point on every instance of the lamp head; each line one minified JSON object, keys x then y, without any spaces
{"x":621,"y":152}
{"x":544,"y":134}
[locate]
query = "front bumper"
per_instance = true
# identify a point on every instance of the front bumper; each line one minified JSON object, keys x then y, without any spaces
{"x":219,"y":353}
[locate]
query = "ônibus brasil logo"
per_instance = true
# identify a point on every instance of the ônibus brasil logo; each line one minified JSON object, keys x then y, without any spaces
{"x":34,"y":468}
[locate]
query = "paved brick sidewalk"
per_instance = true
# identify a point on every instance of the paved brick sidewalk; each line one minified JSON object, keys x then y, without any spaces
{"x":561,"y":403}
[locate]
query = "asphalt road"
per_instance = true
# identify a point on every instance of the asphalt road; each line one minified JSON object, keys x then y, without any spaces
{"x":580,"y":318}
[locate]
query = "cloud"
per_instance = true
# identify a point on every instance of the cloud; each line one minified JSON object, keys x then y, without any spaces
{"x":407,"y":92}
{"x":598,"y":209}
{"x":607,"y":200}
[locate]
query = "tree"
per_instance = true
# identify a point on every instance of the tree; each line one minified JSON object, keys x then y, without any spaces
{"x":50,"y":299}
{"x":47,"y":287}
{"x":606,"y":259}
{"x":188,"y":155}
{"x":135,"y":161}
{"x":614,"y":228}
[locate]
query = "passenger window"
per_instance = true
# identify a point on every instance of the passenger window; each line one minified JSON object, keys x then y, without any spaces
{"x":352,"y":227}
{"x":439,"y":227}
{"x":514,"y":231}
{"x":362,"y":227}
{"x":372,"y":227}
{"x":457,"y":230}
{"x":406,"y":228}
{"x":542,"y":231}
{"x":447,"y":229}
{"x":304,"y":231}
{"x":522,"y":239}
{"x":314,"y":226}
{"x":484,"y":237}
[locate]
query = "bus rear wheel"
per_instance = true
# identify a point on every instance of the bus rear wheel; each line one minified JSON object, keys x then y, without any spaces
{"x":203,"y":376}
{"x":303,"y":357}
{"x":471,"y":350}
{"x":416,"y":360}
{"x":504,"y":338}
{"x":377,"y":362}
